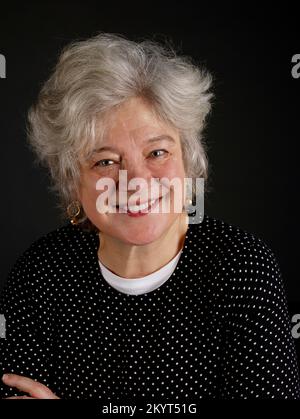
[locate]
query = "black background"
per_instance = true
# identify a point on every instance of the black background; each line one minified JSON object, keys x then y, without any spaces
{"x":252,"y":132}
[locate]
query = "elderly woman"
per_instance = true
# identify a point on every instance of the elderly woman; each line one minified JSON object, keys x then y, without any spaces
{"x":127,"y":299}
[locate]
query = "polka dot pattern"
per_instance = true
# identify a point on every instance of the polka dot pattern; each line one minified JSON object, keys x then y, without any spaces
{"x":217,"y":328}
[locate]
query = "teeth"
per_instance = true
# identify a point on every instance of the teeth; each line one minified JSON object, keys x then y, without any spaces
{"x":136,"y":208}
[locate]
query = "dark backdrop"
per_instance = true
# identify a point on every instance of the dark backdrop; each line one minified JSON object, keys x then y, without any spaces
{"x":252,"y":132}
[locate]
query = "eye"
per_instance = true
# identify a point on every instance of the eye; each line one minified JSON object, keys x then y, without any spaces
{"x":103,"y":163}
{"x":158,"y":151}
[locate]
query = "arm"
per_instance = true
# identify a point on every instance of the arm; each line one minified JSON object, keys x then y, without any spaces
{"x":259,"y":357}
{"x":25,"y":348}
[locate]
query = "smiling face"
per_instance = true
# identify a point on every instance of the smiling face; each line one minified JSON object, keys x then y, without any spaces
{"x":131,"y":143}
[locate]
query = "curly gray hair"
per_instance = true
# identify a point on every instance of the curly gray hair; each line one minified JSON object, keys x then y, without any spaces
{"x":94,"y":75}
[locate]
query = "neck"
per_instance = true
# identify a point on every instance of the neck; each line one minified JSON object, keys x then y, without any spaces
{"x":130,"y":261}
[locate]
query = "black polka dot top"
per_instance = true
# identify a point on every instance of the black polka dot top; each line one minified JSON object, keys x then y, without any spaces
{"x":217,"y":328}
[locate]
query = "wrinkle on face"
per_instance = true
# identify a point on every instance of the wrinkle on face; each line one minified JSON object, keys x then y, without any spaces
{"x":128,"y":129}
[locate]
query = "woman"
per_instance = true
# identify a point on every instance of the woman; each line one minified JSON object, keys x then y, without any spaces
{"x":126,"y":300}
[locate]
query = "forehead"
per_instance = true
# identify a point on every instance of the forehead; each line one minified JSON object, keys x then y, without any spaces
{"x":135,"y":119}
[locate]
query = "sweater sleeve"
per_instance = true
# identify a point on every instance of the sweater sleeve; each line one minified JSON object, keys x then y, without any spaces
{"x":25,"y":345}
{"x":259,"y":356}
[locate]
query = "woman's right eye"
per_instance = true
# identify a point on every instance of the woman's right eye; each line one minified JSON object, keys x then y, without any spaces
{"x":102,"y":163}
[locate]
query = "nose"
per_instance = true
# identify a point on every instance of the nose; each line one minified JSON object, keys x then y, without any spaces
{"x":138,"y":180}
{"x":136,"y":167}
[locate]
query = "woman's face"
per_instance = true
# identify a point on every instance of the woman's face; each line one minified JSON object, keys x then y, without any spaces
{"x":131,"y":130}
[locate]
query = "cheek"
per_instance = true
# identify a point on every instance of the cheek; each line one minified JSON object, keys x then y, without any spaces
{"x":172,"y":168}
{"x":89,"y":192}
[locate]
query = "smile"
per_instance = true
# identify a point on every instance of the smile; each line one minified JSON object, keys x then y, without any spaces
{"x":137,"y":209}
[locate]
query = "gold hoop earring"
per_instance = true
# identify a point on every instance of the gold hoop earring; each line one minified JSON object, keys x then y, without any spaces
{"x":73,"y":211}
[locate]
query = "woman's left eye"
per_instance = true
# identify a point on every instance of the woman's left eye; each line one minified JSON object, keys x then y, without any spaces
{"x":157,"y":151}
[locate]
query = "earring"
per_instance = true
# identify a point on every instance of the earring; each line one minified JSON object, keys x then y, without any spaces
{"x":73,"y":211}
{"x":188,"y":202}
{"x":187,"y":206}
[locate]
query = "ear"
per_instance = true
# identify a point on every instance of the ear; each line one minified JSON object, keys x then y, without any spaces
{"x":78,"y":194}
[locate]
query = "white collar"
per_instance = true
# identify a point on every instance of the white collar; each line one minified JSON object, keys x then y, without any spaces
{"x":142,"y":285}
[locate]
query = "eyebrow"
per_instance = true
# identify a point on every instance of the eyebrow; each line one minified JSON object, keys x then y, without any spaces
{"x":149,"y":140}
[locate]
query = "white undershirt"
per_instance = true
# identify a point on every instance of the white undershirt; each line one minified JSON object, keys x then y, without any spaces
{"x":136,"y":286}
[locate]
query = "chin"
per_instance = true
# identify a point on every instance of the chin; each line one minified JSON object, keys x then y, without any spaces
{"x":135,"y":242}
{"x":141,"y":238}
{"x":143,"y":234}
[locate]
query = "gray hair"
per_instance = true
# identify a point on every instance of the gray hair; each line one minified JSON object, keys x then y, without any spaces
{"x":95,"y":75}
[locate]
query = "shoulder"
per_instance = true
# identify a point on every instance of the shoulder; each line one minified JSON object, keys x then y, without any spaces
{"x":63,"y":241}
{"x":232,"y":241}
{"x":239,"y":258}
{"x":67,"y":246}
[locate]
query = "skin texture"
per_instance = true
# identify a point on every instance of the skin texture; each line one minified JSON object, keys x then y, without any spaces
{"x":131,"y":247}
{"x":34,"y":389}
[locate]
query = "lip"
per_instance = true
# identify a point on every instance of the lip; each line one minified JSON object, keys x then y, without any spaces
{"x":141,"y":203}
{"x":140,"y":213}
